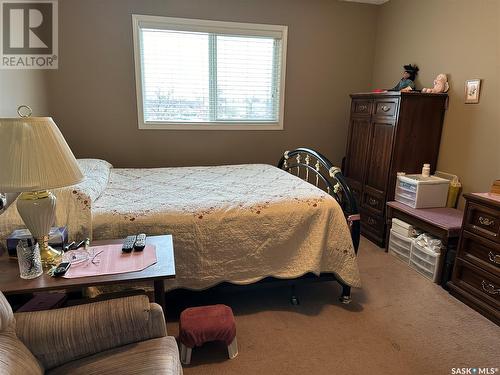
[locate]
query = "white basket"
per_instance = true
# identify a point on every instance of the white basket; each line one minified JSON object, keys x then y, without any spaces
{"x":400,"y":246}
{"x":417,"y":191}
{"x":425,"y":261}
{"x":403,"y":228}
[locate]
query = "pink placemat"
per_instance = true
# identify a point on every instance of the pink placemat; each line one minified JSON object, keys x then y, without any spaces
{"x":109,"y":259}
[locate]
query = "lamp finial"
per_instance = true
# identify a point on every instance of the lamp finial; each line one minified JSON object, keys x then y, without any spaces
{"x":24,"y":110}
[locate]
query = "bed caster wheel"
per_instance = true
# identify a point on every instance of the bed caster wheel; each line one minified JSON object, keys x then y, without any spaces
{"x":294,"y":300}
{"x":345,"y":300}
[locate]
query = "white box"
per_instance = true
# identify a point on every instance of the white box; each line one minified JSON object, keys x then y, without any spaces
{"x":418,"y":191}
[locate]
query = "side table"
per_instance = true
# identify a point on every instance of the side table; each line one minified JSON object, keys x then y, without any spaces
{"x":164,"y":268}
{"x":443,"y":223}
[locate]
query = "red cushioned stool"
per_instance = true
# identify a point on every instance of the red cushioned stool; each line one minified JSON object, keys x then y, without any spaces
{"x":199,"y":325}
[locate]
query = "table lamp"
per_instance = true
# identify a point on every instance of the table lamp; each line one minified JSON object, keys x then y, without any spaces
{"x":34,"y":157}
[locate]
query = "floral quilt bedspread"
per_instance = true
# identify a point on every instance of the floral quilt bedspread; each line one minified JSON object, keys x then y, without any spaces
{"x":236,"y":223}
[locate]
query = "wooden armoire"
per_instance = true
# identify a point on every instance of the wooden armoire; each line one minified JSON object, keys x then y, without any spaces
{"x":389,"y":132}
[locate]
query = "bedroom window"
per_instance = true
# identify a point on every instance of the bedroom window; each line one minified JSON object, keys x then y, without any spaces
{"x":197,"y":74}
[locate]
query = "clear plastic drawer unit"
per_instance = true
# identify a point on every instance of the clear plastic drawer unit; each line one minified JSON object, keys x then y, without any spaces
{"x":418,"y":191}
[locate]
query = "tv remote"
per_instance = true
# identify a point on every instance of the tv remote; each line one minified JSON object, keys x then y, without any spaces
{"x":140,"y":242}
{"x":128,"y":244}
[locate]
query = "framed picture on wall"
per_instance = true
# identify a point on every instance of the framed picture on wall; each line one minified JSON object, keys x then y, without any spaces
{"x":472,"y":89}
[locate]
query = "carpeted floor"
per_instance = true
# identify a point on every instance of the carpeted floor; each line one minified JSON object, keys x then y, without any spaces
{"x":399,"y":323}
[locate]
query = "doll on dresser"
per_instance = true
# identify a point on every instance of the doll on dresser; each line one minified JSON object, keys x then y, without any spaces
{"x":407,"y":82}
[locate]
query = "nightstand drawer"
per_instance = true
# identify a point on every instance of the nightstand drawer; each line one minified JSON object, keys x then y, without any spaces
{"x":481,"y":252}
{"x":478,"y":282}
{"x":484,"y":221}
{"x":386,"y":108}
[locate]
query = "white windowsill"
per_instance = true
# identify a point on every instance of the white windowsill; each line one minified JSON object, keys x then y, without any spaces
{"x":210,"y":126}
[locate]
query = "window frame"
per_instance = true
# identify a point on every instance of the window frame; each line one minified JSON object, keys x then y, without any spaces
{"x":223,"y":27}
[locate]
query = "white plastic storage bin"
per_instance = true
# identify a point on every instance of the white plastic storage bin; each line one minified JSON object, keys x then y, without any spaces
{"x":403,"y":228}
{"x":418,"y":191}
{"x":425,"y":261}
{"x":400,"y":246}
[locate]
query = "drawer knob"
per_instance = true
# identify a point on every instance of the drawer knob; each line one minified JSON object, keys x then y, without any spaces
{"x":385,"y":108}
{"x":490,"y":288}
{"x":372,"y":221}
{"x":494,"y":258}
{"x":486,"y":221}
{"x":363,"y":108}
{"x":372,"y":201}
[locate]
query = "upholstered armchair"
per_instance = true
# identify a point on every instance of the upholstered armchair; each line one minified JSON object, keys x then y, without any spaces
{"x":124,"y":336}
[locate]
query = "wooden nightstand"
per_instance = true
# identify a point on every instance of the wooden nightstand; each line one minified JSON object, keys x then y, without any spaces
{"x":476,"y":275}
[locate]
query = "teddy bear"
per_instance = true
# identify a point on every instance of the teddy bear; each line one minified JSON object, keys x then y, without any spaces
{"x":440,"y":85}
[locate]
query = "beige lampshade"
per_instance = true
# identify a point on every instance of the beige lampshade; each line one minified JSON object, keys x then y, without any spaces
{"x":35,"y":156}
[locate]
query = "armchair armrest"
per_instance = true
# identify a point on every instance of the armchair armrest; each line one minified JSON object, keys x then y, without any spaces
{"x":59,"y":336}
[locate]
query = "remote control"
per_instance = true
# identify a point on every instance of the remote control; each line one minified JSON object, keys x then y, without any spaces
{"x":80,"y":244}
{"x":128,"y":244}
{"x":140,"y":242}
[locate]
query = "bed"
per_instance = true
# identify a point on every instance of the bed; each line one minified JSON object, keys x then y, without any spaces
{"x":234,"y":223}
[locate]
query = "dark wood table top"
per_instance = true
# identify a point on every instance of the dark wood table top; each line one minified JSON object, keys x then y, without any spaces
{"x":449,"y":219}
{"x":164,"y":268}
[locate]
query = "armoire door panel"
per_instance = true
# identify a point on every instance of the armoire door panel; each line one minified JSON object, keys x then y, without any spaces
{"x":357,"y":147}
{"x":379,"y":155}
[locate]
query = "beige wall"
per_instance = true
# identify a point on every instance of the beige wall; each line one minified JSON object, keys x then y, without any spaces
{"x":23,"y":87}
{"x":462,"y":39}
{"x":92,"y":95}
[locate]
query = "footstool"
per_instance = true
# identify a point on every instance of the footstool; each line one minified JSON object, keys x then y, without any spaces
{"x":199,"y":325}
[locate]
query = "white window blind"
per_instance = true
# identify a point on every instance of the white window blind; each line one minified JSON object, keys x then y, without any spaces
{"x":208,"y":74}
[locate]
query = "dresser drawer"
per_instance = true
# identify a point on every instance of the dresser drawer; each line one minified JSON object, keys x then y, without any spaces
{"x":361,"y":107}
{"x":373,"y":227}
{"x":478,"y":282}
{"x":373,"y":200}
{"x":481,"y":252}
{"x":386,"y":108}
{"x":484,"y":221}
{"x":374,"y":223}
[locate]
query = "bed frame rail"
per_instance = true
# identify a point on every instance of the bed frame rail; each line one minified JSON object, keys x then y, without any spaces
{"x":316,"y":169}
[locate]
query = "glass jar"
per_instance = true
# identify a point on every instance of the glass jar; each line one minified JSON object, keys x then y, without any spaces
{"x":30,"y":262}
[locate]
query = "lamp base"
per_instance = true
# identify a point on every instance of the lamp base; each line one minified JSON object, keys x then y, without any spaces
{"x":50,"y":257}
{"x":37,"y":209}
